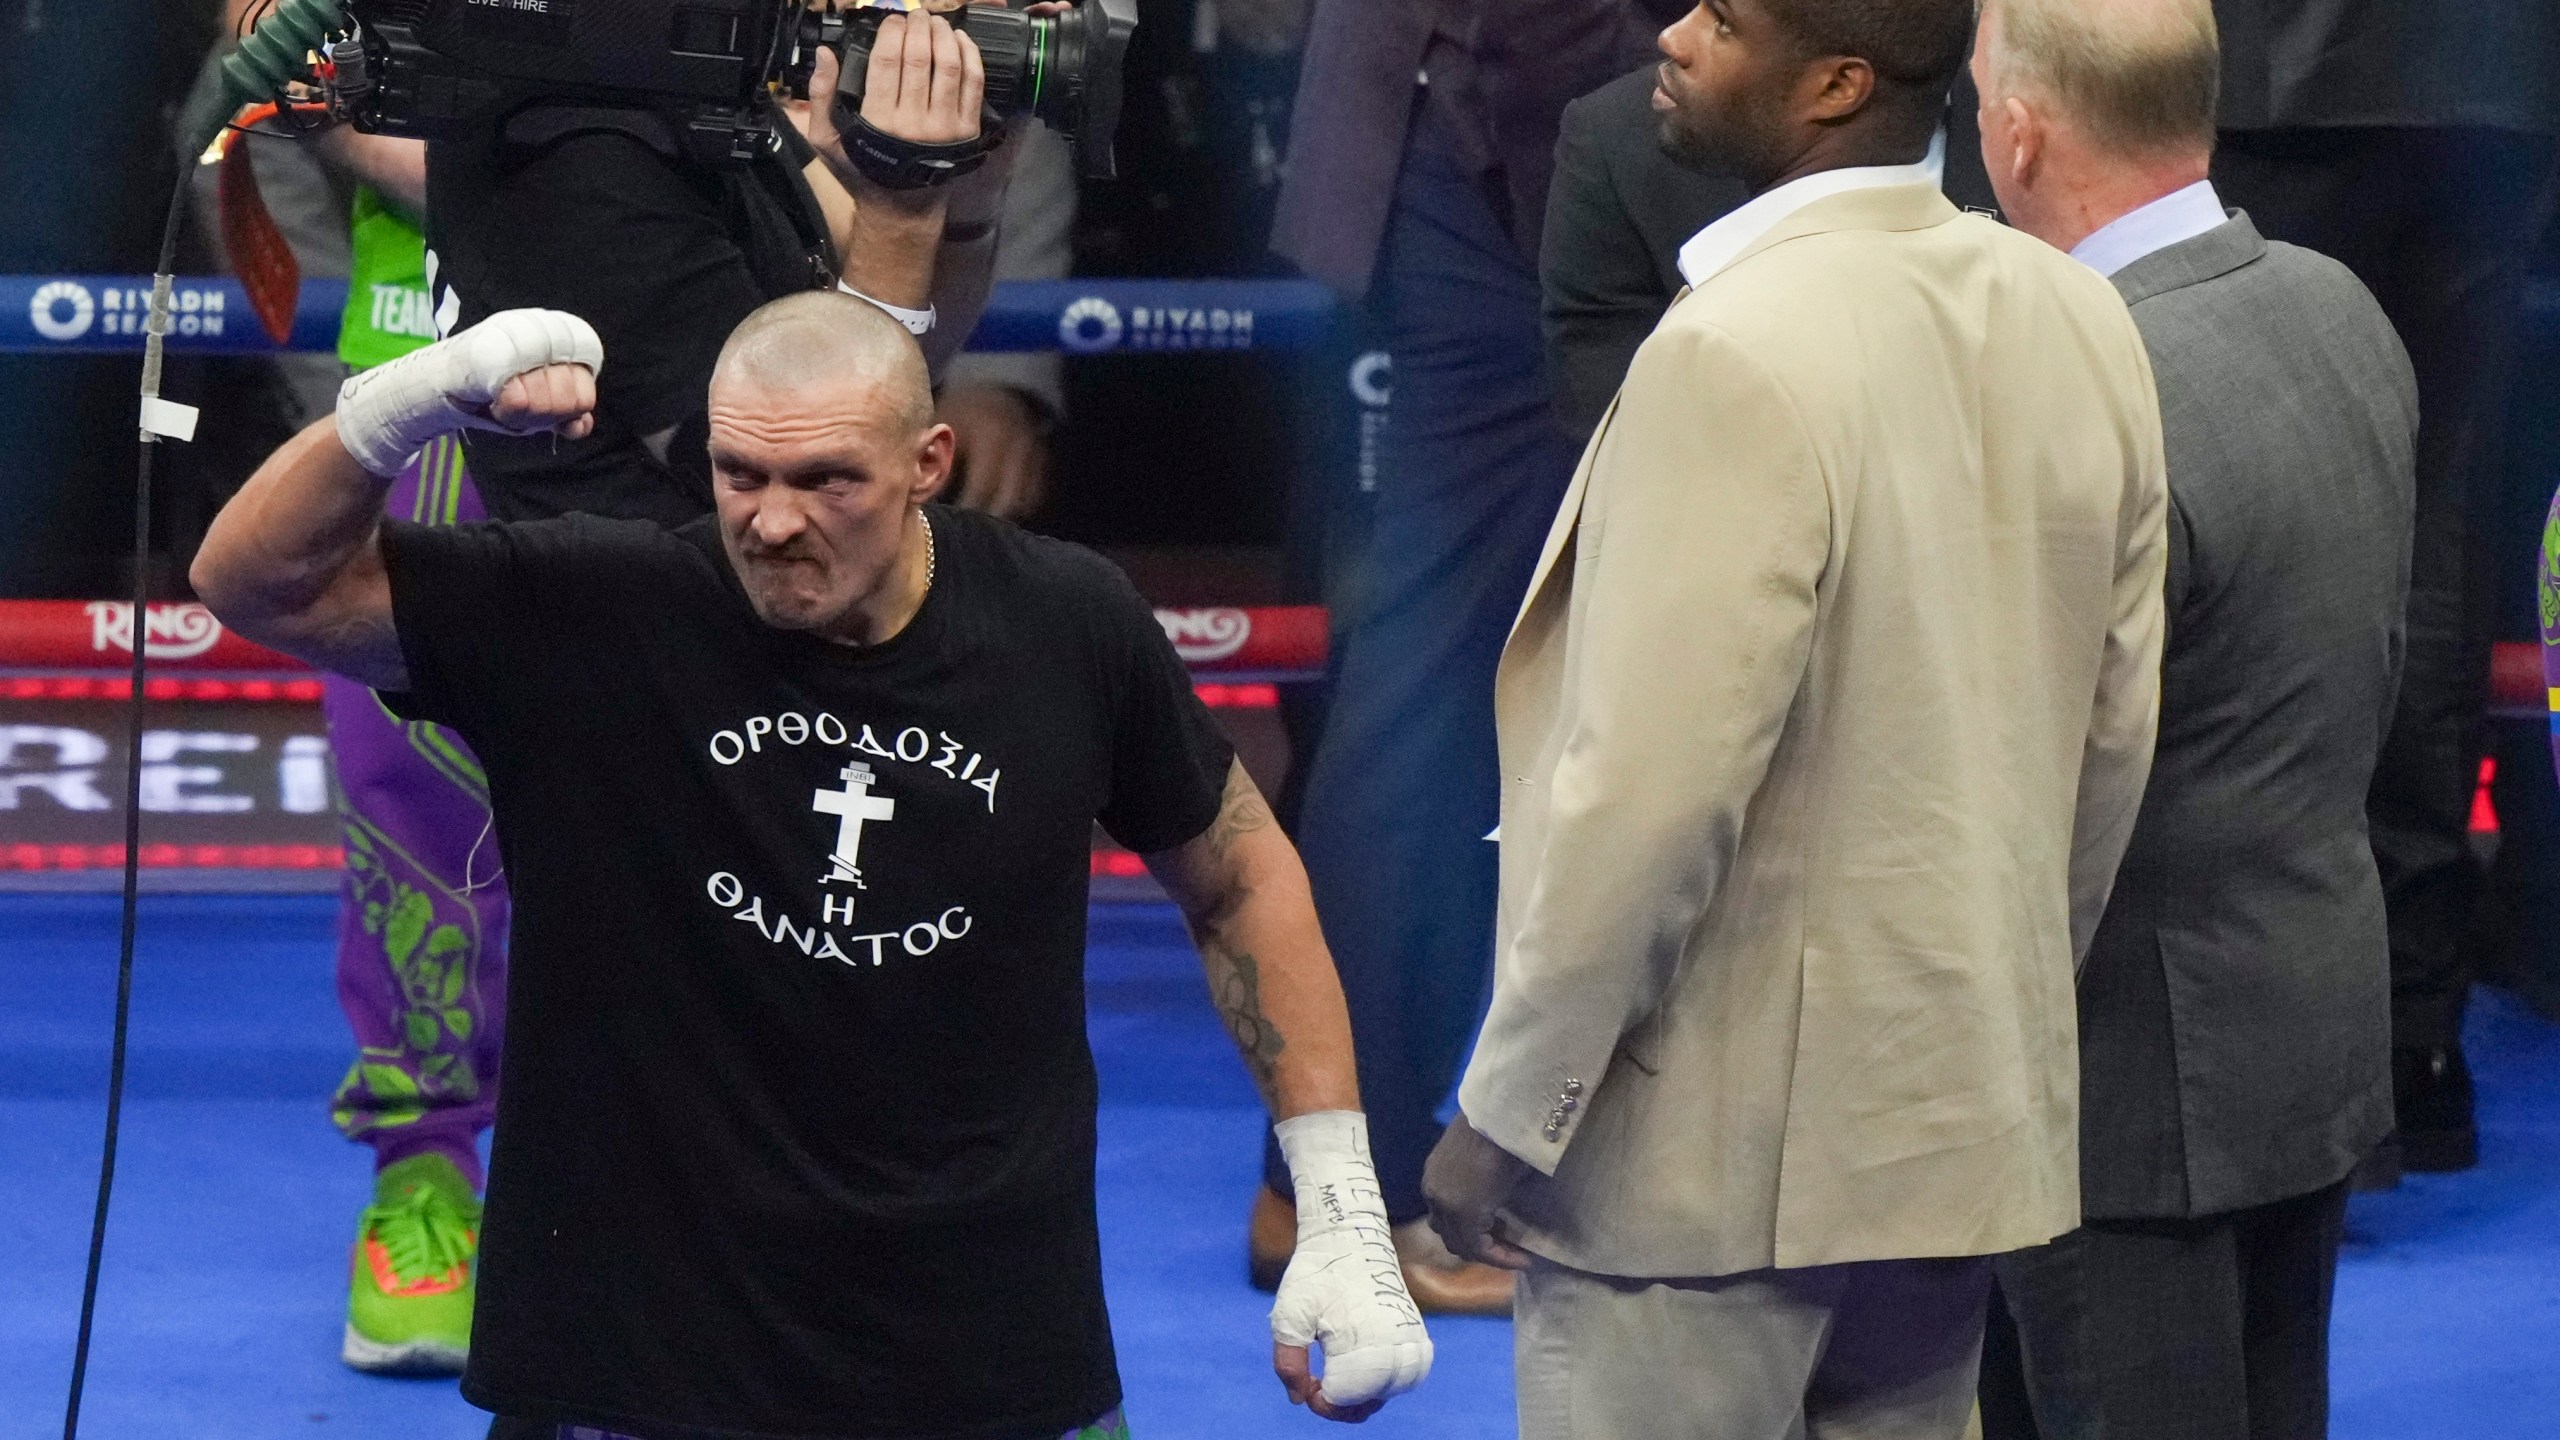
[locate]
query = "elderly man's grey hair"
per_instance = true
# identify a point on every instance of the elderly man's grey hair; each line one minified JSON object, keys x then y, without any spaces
{"x":2139,"y":77}
{"x":821,"y":336}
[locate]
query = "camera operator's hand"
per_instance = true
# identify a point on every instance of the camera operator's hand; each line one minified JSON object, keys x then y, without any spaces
{"x":927,"y":83}
{"x":931,"y":248}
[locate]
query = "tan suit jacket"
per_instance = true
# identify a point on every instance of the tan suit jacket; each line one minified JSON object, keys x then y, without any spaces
{"x":1823,"y":728}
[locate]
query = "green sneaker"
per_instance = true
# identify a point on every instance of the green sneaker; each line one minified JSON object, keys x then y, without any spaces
{"x":409,"y":1297}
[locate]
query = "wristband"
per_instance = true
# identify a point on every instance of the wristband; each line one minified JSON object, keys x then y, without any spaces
{"x":919,"y":323}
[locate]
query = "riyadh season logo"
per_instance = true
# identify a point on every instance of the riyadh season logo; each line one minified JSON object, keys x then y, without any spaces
{"x":1089,"y":325}
{"x":66,"y":310}
{"x":1093,"y":324}
{"x":1373,"y":379}
{"x":1373,"y":384}
{"x":45,"y":311}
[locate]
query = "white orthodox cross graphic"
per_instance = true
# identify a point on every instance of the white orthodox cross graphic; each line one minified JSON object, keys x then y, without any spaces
{"x":853,"y":805}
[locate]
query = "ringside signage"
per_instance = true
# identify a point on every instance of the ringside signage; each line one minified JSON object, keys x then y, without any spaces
{"x":1220,"y":642}
{"x":98,"y":635}
{"x":107,"y":314}
{"x":227,"y":776}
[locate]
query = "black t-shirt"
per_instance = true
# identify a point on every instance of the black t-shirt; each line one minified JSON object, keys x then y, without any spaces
{"x":796,"y":1136}
{"x":663,"y":256}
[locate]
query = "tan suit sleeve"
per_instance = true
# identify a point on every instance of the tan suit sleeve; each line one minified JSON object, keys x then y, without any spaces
{"x":2124,"y":721}
{"x":1704,"y":534}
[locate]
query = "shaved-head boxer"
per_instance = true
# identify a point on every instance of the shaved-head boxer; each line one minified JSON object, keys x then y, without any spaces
{"x":798,"y":1134}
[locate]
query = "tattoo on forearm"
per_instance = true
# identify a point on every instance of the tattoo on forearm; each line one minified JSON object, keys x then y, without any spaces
{"x":1241,"y":812}
{"x":1236,"y":982}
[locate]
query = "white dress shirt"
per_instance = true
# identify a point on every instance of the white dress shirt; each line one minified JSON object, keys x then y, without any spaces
{"x":1724,"y":240}
{"x":2178,"y":215}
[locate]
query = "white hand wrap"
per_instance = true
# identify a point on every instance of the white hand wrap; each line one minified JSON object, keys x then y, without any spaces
{"x":1344,"y":1287}
{"x":387,"y":413}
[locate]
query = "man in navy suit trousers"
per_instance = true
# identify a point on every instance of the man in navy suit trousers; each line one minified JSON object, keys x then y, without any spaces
{"x":1422,"y":144}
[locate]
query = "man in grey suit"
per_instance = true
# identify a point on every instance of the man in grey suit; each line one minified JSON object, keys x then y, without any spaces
{"x":2235,"y":1006}
{"x":2418,"y":141}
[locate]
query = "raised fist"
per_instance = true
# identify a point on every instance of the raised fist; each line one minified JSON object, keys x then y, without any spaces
{"x":521,"y":372}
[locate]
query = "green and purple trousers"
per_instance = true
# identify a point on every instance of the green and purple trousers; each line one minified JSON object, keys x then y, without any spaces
{"x":422,"y":932}
{"x":2548,"y":604}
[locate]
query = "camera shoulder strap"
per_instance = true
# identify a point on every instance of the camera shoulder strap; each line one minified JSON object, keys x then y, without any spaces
{"x":536,"y":126}
{"x":808,"y":213}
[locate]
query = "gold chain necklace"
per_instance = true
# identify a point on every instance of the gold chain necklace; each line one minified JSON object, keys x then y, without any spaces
{"x":928,"y":548}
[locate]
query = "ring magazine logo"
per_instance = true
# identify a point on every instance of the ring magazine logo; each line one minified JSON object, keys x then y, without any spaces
{"x":1206,"y":636}
{"x":1090,"y":325}
{"x":62,"y":311}
{"x":169,"y":632}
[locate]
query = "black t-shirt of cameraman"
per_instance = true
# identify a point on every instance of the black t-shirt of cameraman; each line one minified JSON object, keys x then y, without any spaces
{"x":664,"y":255}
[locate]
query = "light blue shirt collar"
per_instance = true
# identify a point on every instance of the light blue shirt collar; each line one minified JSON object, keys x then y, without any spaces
{"x":1723,"y":241}
{"x":2178,"y":215}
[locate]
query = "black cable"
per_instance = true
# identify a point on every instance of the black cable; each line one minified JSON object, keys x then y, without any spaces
{"x":161,"y":280}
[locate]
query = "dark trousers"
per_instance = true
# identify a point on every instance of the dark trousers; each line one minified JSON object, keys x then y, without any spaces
{"x":2215,"y":1328}
{"x":1403,"y":784}
{"x":2438,"y":224}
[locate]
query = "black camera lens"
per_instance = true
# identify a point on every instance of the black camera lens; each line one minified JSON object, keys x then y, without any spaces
{"x":1064,"y":69}
{"x":1018,"y":50}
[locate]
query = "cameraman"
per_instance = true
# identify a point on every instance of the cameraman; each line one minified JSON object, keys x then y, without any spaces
{"x":664,"y":255}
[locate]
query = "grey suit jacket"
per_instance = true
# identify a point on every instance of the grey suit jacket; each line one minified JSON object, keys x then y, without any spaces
{"x":2235,"y":1009}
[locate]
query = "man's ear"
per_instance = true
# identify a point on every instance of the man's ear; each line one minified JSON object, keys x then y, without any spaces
{"x":1842,"y":85}
{"x":934,"y":451}
{"x":2026,"y":139}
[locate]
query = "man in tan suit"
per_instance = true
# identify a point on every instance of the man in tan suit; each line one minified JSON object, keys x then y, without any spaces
{"x":1823,"y":728}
